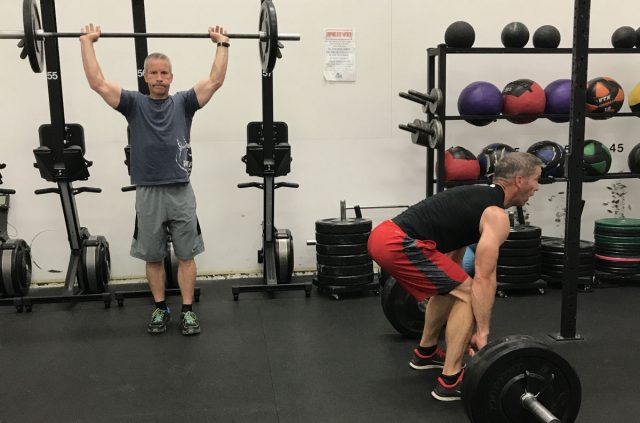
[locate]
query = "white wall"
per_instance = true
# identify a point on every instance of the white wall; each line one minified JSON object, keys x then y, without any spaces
{"x":344,"y":136}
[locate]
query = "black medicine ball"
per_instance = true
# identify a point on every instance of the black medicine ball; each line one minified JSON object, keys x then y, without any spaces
{"x":547,"y":36}
{"x":624,"y":37}
{"x":634,"y":159}
{"x":597,"y":158}
{"x":552,"y":155}
{"x":515,"y":35}
{"x":491,"y":155}
{"x":459,"y":34}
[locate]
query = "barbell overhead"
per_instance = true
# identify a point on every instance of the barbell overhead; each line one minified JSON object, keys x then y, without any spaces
{"x":33,"y":36}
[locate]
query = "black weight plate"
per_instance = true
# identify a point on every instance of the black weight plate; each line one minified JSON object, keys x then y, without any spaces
{"x":620,"y":247}
{"x":349,"y":260}
{"x":479,"y":363}
{"x":352,"y":225}
{"x":268,"y":23}
{"x":559,"y":255}
{"x":557,"y":280}
{"x":358,"y":269}
{"x":342,"y":238}
{"x":521,"y":243}
{"x":402,"y":310}
{"x":557,"y":245}
{"x":516,"y":279}
{"x":519,"y":270}
{"x":633,"y":241}
{"x":600,"y":264}
{"x":519,"y":252}
{"x":383,"y":276}
{"x":15,"y":268}
{"x":32,"y":24}
{"x":617,"y":251}
{"x":497,"y":393}
{"x":170,"y":267}
{"x":345,"y":280}
{"x":616,"y":231}
{"x":559,"y":261}
{"x":614,"y":222}
{"x":341,"y":250}
{"x":560,"y":274}
{"x":525,"y":232}
{"x":560,"y":267}
{"x":518,"y":261}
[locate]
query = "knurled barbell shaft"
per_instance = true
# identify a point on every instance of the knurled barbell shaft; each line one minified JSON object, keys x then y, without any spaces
{"x":253,"y":36}
{"x":535,"y":407}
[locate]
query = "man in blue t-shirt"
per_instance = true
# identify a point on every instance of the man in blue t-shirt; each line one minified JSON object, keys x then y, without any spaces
{"x":160,"y":126}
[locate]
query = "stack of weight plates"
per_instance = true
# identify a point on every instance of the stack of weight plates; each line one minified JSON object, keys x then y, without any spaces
{"x":519,"y":259}
{"x":341,"y":252}
{"x":618,"y":246}
{"x":553,"y":261}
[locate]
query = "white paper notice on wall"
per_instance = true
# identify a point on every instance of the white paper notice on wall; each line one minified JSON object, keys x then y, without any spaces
{"x":339,"y":54}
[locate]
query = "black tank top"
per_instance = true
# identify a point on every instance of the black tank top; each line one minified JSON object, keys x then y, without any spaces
{"x":450,"y":218}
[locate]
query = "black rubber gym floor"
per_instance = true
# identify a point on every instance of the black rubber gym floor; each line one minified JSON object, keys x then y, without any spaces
{"x":283,"y":359}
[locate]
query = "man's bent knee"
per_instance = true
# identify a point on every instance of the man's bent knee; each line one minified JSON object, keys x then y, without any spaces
{"x":463,"y":291}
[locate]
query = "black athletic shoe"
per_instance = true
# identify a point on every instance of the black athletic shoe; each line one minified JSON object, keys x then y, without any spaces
{"x":189,"y":323}
{"x":444,"y":392}
{"x":424,"y":362}
{"x":159,"y":320}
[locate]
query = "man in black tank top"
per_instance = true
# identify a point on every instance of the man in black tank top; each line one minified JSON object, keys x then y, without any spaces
{"x":423,"y":247}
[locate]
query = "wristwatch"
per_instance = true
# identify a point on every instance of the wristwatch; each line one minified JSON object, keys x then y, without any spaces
{"x":224,"y":45}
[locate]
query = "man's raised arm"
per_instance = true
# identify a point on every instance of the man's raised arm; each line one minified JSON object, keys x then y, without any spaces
{"x":108,"y":90}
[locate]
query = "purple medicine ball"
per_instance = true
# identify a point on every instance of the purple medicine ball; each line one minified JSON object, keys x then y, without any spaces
{"x":558,"y":94}
{"x":480,"y":98}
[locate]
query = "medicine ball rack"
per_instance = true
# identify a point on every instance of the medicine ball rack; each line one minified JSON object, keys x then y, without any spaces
{"x":574,"y":175}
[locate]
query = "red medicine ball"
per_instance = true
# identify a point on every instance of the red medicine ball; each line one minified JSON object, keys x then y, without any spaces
{"x":523,"y":97}
{"x":460,"y":165}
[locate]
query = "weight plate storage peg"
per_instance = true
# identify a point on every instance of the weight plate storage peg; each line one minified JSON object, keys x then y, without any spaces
{"x":520,"y":379}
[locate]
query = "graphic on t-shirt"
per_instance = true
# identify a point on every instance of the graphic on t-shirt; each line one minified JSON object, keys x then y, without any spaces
{"x":183,"y":155}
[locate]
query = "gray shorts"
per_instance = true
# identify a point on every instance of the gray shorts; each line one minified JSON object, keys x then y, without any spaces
{"x":166,"y":207}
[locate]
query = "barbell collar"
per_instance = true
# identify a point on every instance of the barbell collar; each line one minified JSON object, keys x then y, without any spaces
{"x":530,"y":403}
{"x":262,"y":36}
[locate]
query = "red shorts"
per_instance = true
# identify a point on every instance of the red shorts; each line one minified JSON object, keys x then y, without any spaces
{"x":415,"y":264}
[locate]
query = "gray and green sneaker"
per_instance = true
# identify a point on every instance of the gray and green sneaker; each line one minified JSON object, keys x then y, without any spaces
{"x":189,"y":323}
{"x":159,"y":320}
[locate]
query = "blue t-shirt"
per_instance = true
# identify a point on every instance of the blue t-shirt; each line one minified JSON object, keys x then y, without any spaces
{"x":159,"y":136}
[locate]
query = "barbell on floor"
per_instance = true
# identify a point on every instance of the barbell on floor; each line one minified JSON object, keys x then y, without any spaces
{"x":427,"y":134}
{"x":32,"y":38}
{"x":520,"y":379}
